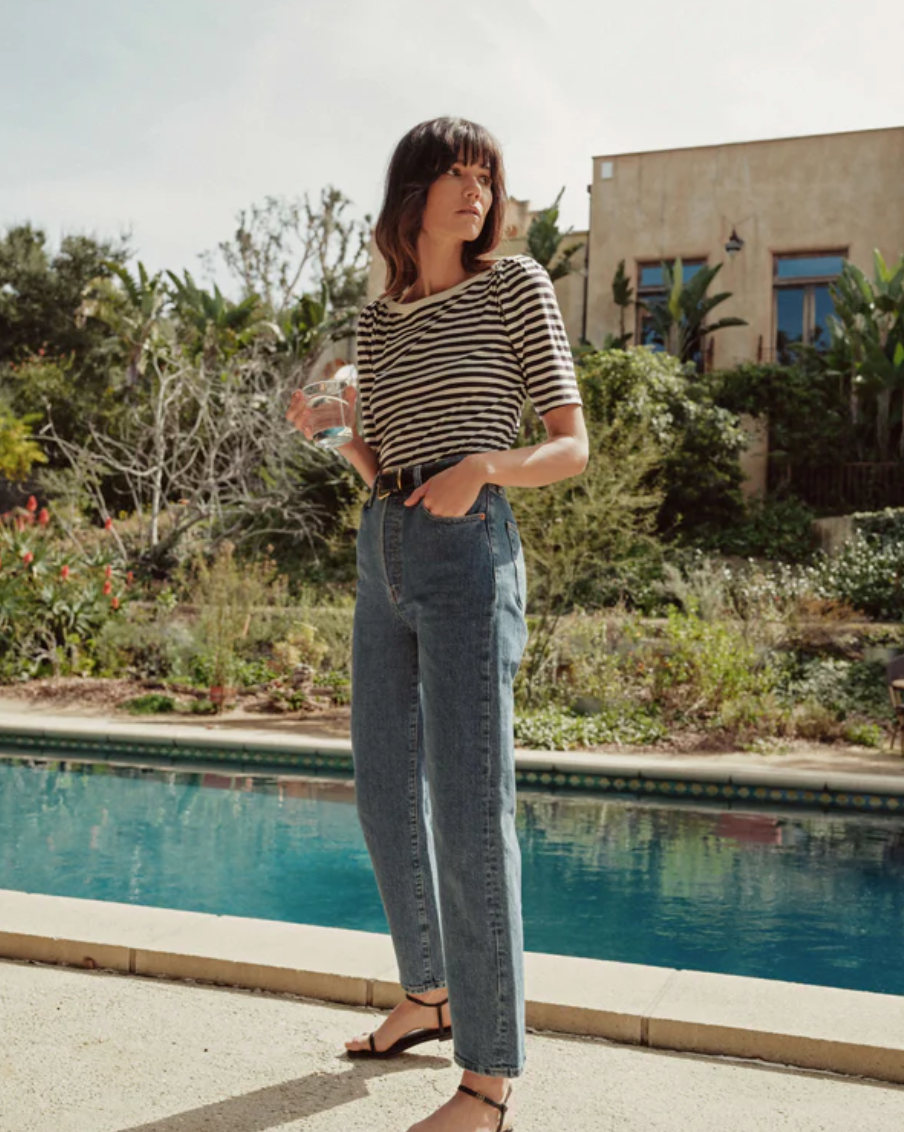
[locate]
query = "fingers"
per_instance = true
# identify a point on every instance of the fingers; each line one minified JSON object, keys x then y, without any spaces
{"x":298,"y":414}
{"x":417,"y":495}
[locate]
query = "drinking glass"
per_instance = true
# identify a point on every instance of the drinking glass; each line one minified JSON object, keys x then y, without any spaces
{"x":331,"y":415}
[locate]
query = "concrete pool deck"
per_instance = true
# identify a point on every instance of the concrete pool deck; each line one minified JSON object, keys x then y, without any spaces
{"x":88,"y":1051}
{"x":816,"y":1028}
{"x":610,"y":1045}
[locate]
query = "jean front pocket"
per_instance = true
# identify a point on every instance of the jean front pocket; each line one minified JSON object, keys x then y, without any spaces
{"x":476,"y":514}
{"x":514,"y":537}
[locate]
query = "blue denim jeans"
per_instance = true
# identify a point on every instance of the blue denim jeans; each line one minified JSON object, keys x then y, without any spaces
{"x":439,"y":632}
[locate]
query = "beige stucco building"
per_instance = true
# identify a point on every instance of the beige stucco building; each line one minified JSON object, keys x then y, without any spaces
{"x":800,"y":206}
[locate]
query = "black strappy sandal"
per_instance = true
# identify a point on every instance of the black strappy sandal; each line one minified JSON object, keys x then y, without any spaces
{"x":439,"y":1033}
{"x":503,"y":1108}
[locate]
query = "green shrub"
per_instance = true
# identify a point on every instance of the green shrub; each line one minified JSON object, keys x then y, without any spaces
{"x":887,"y":525}
{"x":153,"y":703}
{"x":698,"y":665}
{"x":202,"y":707}
{"x":53,"y":599}
{"x":866,"y":573}
{"x":555,"y":729}
{"x":698,"y":439}
{"x":844,"y":687}
{"x":777,"y":529}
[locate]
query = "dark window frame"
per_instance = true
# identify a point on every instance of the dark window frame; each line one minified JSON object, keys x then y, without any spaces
{"x":808,"y":283}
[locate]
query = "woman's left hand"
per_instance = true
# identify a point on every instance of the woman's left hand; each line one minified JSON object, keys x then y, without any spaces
{"x":450,"y":493}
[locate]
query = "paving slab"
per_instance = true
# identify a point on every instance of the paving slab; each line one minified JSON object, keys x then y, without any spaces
{"x":92,"y":1051}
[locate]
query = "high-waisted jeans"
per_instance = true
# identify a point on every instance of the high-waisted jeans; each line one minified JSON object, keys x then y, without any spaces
{"x":439,"y":632}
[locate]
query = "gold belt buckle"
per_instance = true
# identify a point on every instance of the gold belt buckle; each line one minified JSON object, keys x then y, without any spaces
{"x":398,"y":474}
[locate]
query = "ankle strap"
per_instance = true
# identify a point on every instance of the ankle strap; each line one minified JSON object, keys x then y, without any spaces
{"x":421,"y":1002}
{"x":503,"y":1108}
{"x":438,"y":1006}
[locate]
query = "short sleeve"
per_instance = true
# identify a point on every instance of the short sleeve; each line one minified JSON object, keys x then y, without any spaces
{"x":364,"y":344}
{"x":530,"y":311}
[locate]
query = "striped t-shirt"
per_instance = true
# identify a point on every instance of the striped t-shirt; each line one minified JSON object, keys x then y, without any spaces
{"x":449,"y":373}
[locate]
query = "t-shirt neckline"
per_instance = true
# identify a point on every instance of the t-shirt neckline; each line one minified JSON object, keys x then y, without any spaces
{"x":428,"y":300}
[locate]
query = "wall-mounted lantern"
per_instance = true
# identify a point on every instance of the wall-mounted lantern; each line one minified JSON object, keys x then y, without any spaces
{"x":734,"y":244}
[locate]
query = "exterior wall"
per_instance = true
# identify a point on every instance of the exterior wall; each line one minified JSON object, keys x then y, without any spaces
{"x":569,"y":289}
{"x":832,"y":192}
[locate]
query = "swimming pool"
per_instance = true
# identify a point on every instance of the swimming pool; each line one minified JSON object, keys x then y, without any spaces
{"x":795,"y":895}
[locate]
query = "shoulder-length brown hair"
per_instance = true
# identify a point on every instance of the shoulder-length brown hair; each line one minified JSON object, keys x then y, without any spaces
{"x":423,"y":154}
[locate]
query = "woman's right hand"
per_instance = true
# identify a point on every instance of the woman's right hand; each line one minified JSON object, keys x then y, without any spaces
{"x":298,"y":414}
{"x":301,"y":416}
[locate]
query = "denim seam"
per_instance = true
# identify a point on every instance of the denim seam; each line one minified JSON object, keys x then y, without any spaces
{"x":390,"y":588}
{"x":418,"y":835}
{"x":491,"y":875}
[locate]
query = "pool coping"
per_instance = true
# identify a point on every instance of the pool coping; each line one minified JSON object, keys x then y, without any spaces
{"x":248,"y":752}
{"x":855,"y":1033}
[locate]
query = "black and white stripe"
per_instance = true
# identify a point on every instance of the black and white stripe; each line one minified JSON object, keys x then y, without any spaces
{"x":449,"y":373}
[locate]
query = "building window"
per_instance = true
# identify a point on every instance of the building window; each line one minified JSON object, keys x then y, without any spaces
{"x":802,"y":300}
{"x":651,"y":290}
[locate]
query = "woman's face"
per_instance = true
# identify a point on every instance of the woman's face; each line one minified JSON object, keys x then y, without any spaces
{"x":458,"y":202}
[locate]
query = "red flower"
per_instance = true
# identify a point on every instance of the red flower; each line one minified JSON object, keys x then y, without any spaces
{"x":28,"y":558}
{"x":43,"y":516}
{"x":32,"y":503}
{"x":115,"y":603}
{"x":130,"y":578}
{"x":108,"y":524}
{"x":108,"y":586}
{"x":108,"y":570}
{"x":64,"y":572}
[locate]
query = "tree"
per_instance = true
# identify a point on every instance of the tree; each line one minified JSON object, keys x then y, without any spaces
{"x":45,"y":354}
{"x":133,"y":310}
{"x":40,"y":292}
{"x":205,"y":451}
{"x":623,"y":297}
{"x":680,"y":321}
{"x":544,"y":239}
{"x":282,"y":247}
{"x":210,"y":324}
{"x":866,"y":353}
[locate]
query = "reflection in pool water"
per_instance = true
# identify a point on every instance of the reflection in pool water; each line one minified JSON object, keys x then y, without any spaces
{"x":799,"y":895}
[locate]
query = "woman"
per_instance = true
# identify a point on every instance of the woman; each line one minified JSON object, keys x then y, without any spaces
{"x":446,"y":357}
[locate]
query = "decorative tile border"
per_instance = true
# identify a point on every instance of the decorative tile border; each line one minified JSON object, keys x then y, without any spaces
{"x":688,"y":789}
{"x":241,"y":753}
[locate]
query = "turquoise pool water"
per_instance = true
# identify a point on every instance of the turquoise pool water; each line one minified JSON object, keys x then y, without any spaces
{"x":798,"y":895}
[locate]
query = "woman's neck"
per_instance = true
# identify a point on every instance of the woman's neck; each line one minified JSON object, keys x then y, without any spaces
{"x":439,"y":267}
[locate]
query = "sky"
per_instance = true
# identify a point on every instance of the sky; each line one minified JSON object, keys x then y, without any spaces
{"x":166,"y":119}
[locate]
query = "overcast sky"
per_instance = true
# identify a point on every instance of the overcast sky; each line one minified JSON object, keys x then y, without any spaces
{"x":166,"y":118}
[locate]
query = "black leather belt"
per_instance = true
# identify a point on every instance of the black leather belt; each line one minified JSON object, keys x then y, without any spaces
{"x":395,"y":480}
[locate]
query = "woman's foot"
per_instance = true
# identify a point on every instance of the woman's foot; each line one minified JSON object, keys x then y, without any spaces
{"x":464,"y":1113}
{"x":404,"y":1018}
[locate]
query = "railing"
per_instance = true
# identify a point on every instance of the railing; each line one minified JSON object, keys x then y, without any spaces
{"x":842,"y":488}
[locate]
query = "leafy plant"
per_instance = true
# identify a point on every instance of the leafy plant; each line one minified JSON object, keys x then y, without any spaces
{"x":544,"y":241}
{"x":779,"y":529}
{"x":680,"y":321}
{"x":698,"y":441}
{"x":560,"y":730}
{"x":53,"y":600}
{"x":152,"y":703}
